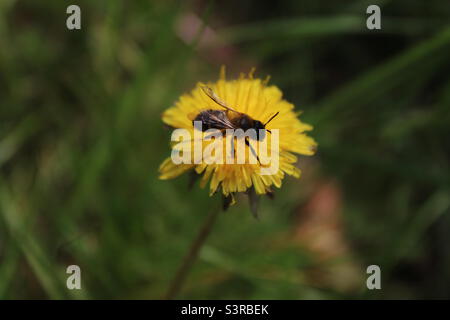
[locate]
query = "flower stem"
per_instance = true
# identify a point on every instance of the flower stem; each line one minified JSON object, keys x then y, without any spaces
{"x":191,"y":256}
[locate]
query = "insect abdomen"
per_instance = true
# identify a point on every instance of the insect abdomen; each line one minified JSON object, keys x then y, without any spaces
{"x":206,"y":119}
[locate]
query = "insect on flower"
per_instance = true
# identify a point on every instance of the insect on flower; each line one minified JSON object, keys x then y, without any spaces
{"x":218,"y":119}
{"x":244,"y":103}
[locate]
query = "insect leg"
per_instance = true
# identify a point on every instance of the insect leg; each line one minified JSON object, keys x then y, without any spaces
{"x":233,"y":150}
{"x":213,"y":134}
{"x":247,"y":142}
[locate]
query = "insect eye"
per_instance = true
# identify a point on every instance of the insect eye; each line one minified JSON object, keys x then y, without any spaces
{"x":258,"y":125}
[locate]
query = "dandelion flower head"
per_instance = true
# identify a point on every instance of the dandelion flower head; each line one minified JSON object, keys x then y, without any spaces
{"x":258,"y":100}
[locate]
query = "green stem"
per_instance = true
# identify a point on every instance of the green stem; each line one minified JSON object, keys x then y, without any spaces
{"x":191,"y":256}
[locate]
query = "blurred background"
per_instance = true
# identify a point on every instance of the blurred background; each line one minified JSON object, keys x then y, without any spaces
{"x":81,"y":139}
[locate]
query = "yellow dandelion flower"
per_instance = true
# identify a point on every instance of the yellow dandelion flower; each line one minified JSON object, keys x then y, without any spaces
{"x":252,"y":97}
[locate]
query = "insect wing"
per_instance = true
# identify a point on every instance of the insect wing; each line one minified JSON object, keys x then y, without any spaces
{"x":210,"y":93}
{"x":217,"y":120}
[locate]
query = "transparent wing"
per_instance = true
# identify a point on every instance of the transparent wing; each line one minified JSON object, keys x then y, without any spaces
{"x":218,"y":121}
{"x":210,"y":93}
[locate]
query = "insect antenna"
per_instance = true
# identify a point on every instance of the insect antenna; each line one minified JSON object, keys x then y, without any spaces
{"x":271,"y":118}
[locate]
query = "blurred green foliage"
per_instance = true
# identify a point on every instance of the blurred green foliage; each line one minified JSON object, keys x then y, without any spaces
{"x":81,"y":140}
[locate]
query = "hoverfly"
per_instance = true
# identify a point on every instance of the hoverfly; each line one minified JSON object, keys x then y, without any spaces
{"x":218,"y":119}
